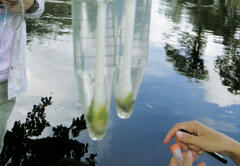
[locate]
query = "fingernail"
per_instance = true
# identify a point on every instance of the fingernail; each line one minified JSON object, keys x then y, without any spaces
{"x":189,"y":155}
{"x":179,"y":134}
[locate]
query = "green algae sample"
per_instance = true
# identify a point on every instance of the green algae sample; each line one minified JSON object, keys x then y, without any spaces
{"x":127,"y":103}
{"x":97,"y":119}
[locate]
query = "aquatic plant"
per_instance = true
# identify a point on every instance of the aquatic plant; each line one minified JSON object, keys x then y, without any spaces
{"x":126,"y":104}
{"x":97,"y":118}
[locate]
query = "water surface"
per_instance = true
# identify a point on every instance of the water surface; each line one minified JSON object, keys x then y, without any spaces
{"x":193,"y":73}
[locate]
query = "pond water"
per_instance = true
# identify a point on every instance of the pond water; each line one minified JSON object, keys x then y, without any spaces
{"x":191,"y":72}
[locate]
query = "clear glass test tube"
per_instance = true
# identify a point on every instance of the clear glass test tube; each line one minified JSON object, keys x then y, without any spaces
{"x":132,"y":22}
{"x":94,"y":61}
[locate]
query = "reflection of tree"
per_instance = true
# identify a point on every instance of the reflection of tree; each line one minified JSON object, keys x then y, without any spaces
{"x":220,"y":17}
{"x":188,"y":63}
{"x":20,"y":148}
{"x":174,"y":11}
{"x":229,"y":67}
{"x":56,"y":18}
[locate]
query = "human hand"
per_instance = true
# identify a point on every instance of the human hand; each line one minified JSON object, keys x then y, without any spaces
{"x":188,"y":159}
{"x":15,"y":5}
{"x":203,"y":138}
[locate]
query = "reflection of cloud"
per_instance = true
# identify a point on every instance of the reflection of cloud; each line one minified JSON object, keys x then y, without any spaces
{"x":157,"y":67}
{"x":220,"y":125}
{"x":156,"y":27}
{"x":160,"y":25}
{"x":215,"y":92}
{"x":50,"y":70}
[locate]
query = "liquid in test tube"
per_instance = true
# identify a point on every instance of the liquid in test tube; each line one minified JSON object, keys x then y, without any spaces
{"x":176,"y":151}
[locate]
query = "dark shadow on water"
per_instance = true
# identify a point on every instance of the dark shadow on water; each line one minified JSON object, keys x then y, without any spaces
{"x":187,"y":59}
{"x":228,"y":67}
{"x":21,"y":148}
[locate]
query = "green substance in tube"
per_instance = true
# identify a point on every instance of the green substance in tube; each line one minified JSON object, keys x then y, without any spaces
{"x":97,"y":118}
{"x":127,"y":104}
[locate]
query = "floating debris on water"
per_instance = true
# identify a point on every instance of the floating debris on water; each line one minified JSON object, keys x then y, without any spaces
{"x":149,"y":106}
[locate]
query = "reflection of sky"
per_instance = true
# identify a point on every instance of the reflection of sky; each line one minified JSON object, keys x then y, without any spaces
{"x":160,"y":25}
{"x":214,"y":91}
{"x":50,"y":72}
{"x":173,"y":97}
{"x":157,"y":67}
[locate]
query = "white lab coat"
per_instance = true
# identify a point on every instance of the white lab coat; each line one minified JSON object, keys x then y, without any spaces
{"x":17,"y":80}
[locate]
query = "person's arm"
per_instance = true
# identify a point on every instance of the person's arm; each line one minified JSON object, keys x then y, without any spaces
{"x":36,"y":10}
{"x":14,"y":5}
{"x":204,"y":139}
{"x":235,"y":152}
{"x":32,"y":8}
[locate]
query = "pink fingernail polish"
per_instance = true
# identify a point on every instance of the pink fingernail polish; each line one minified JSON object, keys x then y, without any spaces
{"x":179,"y":134}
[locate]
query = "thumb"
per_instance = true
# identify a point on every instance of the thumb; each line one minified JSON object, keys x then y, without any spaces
{"x":187,"y":138}
{"x":188,"y":159}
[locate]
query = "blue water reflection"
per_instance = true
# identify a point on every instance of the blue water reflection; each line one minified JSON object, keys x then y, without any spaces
{"x":167,"y":94}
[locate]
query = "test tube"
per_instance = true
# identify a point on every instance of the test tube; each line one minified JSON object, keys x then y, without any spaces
{"x":94,"y":61}
{"x":176,"y":151}
{"x":132,"y":38}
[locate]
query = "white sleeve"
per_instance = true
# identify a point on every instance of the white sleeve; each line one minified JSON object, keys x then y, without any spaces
{"x":38,"y":12}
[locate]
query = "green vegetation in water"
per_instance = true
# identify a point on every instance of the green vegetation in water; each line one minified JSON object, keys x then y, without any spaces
{"x":97,"y":118}
{"x":127,"y":103}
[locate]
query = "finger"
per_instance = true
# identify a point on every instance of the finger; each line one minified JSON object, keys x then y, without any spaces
{"x":194,"y":154}
{"x":173,"y":162}
{"x":188,"y":159}
{"x":194,"y":147}
{"x":202,"y":164}
{"x":183,"y":146}
{"x":172,"y":133}
{"x":187,"y":138}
